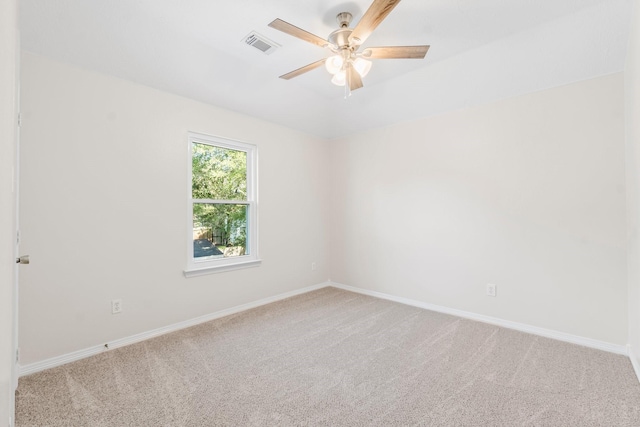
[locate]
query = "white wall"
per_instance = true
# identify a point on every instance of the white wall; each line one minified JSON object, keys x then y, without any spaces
{"x":103,"y":209}
{"x":527,"y":193}
{"x":632,"y":110}
{"x":8,"y":115}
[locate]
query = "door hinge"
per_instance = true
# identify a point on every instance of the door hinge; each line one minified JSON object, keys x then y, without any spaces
{"x":18,"y":237}
{"x":19,"y":120}
{"x":17,"y":355}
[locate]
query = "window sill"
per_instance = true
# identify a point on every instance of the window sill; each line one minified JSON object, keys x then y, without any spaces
{"x":201,"y":271}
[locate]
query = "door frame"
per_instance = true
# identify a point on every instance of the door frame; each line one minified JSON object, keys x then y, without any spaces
{"x":16,"y":241}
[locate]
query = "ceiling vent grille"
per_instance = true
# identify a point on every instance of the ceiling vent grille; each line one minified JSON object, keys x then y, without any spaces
{"x":261,"y":43}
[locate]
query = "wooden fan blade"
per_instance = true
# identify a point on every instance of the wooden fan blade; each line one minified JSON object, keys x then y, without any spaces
{"x":378,"y":10}
{"x":302,"y":70}
{"x":294,"y":31}
{"x":353,"y":79}
{"x":395,"y":52}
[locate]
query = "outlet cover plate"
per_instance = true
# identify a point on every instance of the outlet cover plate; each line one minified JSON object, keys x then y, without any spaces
{"x":116,"y":306}
{"x":492,"y":290}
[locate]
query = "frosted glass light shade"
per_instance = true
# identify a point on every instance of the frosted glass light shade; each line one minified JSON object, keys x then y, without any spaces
{"x":362,"y":66}
{"x":333,"y":63}
{"x":339,"y":78}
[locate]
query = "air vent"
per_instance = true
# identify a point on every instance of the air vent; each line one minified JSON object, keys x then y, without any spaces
{"x":261,"y":43}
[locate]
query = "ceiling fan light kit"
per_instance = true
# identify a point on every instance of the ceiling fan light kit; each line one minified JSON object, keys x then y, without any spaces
{"x":362,"y":66}
{"x":334,"y":64}
{"x":347,"y":65}
{"x":339,"y":78}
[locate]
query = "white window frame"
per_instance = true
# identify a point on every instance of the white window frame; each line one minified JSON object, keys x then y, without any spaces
{"x":207,"y":266}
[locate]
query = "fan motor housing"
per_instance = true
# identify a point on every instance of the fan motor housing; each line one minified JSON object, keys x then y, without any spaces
{"x":340,"y":37}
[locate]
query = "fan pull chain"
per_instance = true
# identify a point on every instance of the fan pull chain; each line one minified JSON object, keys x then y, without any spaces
{"x":347,"y":84}
{"x":347,"y":91}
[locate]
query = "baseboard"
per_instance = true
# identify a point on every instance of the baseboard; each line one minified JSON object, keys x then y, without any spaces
{"x":547,"y":333}
{"x":634,"y":360}
{"x":92,"y":351}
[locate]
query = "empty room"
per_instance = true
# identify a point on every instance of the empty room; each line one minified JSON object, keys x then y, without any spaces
{"x":350,"y":213}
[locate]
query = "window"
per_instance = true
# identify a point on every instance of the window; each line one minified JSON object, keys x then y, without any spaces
{"x":222,"y":205}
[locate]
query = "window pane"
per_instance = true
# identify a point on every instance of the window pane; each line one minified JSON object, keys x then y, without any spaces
{"x":218,"y":173}
{"x":219,"y":230}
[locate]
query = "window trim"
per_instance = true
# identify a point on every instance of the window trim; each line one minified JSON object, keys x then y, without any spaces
{"x":202,"y":267}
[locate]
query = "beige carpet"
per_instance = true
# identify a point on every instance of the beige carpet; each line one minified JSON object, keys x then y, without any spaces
{"x":337,"y":358}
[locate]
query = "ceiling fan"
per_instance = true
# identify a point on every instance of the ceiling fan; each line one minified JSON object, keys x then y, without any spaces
{"x":347,"y":65}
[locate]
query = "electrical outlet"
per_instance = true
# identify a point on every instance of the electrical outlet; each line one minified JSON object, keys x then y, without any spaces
{"x":492,"y":290}
{"x":313,"y":266}
{"x":116,"y":306}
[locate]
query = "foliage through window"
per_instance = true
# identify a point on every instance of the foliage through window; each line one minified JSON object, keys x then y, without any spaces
{"x":223,"y":208}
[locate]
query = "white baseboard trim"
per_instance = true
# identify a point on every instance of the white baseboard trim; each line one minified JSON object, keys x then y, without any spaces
{"x":634,"y":360}
{"x":548,"y":333}
{"x":32,"y":368}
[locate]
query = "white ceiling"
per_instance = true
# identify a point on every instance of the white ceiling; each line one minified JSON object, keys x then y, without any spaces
{"x":481,"y":50}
